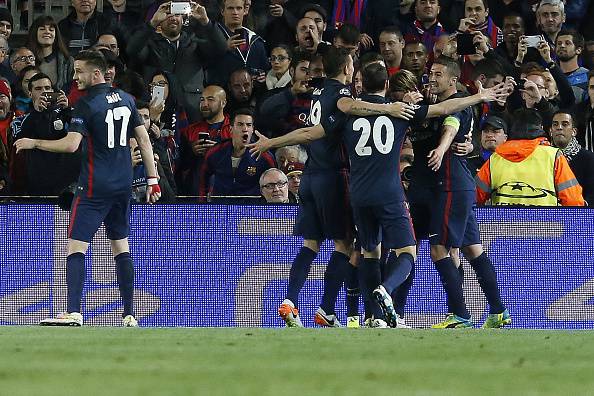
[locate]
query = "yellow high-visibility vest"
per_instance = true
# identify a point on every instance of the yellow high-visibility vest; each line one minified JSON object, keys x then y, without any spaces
{"x":530,"y":182}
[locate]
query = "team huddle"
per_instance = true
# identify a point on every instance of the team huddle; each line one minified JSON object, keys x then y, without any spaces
{"x":351,"y":192}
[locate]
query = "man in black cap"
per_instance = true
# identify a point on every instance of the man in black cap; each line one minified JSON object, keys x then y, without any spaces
{"x":6,"y":23}
{"x":493,"y":133}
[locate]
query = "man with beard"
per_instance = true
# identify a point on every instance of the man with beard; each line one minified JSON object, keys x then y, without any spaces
{"x":236,"y":173}
{"x":242,"y":91}
{"x":164,"y":45}
{"x":570,"y":45}
{"x":425,"y":28}
{"x":200,"y":136}
{"x":307,"y":35}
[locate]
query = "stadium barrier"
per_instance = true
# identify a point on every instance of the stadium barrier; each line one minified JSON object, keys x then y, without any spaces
{"x":214,"y":265}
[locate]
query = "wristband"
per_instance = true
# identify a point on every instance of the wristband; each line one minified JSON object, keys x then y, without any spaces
{"x":152,"y":181}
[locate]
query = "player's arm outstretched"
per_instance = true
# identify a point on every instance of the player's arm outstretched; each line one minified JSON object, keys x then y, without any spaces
{"x":298,"y":136}
{"x":68,"y":144}
{"x":360,"y":108}
{"x":497,"y":93}
{"x":153,"y":192}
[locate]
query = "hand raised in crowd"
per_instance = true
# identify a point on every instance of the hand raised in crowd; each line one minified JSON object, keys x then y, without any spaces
{"x":401,"y":110}
{"x":531,"y":94}
{"x":201,"y":146}
{"x":314,"y":37}
{"x":62,"y":100}
{"x":136,"y":156}
{"x":259,"y":147}
{"x":480,"y":41}
{"x":199,"y":13}
{"x":366,"y":41}
{"x":544,"y":49}
{"x":464,"y":148}
{"x":276,"y":10}
{"x":155,"y":131}
{"x":522,"y":49}
{"x":466,"y":24}
{"x":412,"y":97}
{"x":235,"y":41}
{"x":41,"y":103}
{"x":260,"y":77}
{"x":161,"y":14}
{"x":156,"y":108}
{"x":497,"y":93}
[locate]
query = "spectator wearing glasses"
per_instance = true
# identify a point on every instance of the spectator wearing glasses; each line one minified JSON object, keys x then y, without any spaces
{"x":21,"y":58}
{"x":22,"y":102}
{"x":280,"y":59}
{"x":274,"y":187}
{"x":294,"y":170}
{"x":45,"y":41}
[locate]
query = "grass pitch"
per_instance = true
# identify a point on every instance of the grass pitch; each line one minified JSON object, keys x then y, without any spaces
{"x":187,"y":361}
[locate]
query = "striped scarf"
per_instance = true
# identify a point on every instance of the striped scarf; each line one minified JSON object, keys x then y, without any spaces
{"x":572,"y":149}
{"x":349,"y":11}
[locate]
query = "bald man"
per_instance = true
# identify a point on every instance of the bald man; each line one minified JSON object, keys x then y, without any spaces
{"x":201,"y":136}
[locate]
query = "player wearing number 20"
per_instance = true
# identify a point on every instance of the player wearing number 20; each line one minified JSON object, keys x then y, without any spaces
{"x":379,"y":205}
{"x":104,"y":121}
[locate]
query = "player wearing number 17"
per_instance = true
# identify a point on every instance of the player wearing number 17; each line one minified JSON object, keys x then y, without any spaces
{"x":104,"y":121}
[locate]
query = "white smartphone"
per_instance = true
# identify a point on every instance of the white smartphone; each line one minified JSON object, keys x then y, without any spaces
{"x":158,"y":93}
{"x":180,"y":8}
{"x":533,"y":41}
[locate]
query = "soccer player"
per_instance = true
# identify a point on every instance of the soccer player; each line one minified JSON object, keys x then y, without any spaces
{"x":323,"y":206}
{"x":452,"y":222}
{"x":104,"y":120}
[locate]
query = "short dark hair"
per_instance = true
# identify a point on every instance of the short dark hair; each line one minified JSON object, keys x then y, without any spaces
{"x":450,"y":64}
{"x":28,"y":68}
{"x":527,"y":124}
{"x":142,"y":104}
{"x":489,"y":68}
{"x":369,"y":57}
{"x":374,"y":77}
{"x":94,"y":58}
{"x":576,"y":37}
{"x":590,"y":75}
{"x":298,"y":57}
{"x":392,"y":30}
{"x":241,"y":111}
{"x":334,"y":60}
{"x":288,"y":50}
{"x":349,"y":33}
{"x":568,"y":112}
{"x":485,"y":4}
{"x":37,"y":77}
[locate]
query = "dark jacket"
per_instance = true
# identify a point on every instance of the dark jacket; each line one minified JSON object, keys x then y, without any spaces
{"x":281,"y":112}
{"x":584,"y":119}
{"x":582,"y":165}
{"x":79,"y":36}
{"x":198,"y":46}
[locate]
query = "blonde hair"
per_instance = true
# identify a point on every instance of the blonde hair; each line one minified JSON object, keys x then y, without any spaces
{"x":403,"y":81}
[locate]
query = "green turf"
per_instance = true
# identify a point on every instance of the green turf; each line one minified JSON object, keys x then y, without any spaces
{"x":118,"y":361}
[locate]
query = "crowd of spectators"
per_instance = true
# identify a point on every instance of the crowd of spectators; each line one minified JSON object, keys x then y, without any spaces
{"x":208,"y":79}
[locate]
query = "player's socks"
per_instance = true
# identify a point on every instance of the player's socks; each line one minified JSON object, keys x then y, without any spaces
{"x":334,"y":277}
{"x":370,"y":277}
{"x":75,"y":279}
{"x":487,"y":279}
{"x":299,"y":271}
{"x":400,"y":295}
{"x":452,"y":284}
{"x":398,"y":269}
{"x":125,"y":273}
{"x":352,"y":291}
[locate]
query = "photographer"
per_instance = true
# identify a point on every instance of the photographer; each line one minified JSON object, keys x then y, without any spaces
{"x":46,"y":173}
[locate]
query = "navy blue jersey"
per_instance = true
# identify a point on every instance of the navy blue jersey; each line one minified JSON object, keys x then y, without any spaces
{"x":106,"y":118}
{"x":328,"y":153}
{"x":454,"y":174}
{"x":424,"y":137}
{"x":374,"y":144}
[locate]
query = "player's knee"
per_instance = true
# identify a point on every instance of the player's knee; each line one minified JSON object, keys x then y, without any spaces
{"x":373,"y":254}
{"x":119,"y":246}
{"x":312,"y":245}
{"x":438,"y":252}
{"x":343,"y":246}
{"x":473,"y":251}
{"x":412,"y":250}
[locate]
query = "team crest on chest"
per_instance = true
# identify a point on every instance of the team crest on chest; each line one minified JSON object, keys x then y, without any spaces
{"x":251,"y":170}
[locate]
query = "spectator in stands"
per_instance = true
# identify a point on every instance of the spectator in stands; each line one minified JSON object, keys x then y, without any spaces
{"x":282,"y":19}
{"x":83,"y":25}
{"x":477,"y":19}
{"x":589,"y":54}
{"x":526,"y":171}
{"x":415,"y":59}
{"x":20,"y":58}
{"x":293,"y":170}
{"x":201,"y":136}
{"x":569,"y":46}
{"x":47,"y":120}
{"x":348,"y":38}
{"x":290,"y":154}
{"x":550,"y":16}
{"x":307,"y":35}
{"x":185,"y":53}
{"x":274,"y":187}
{"x":5,"y":139}
{"x":5,"y":70}
{"x":6,"y":23}
{"x":391,"y":44}
{"x":46,"y":42}
{"x":123,"y":18}
{"x":425,"y":28}
{"x":22,"y":102}
{"x":288,"y":108}
{"x":492,"y":135}
{"x":235,"y":172}
{"x":563,"y":133}
{"x":319,"y":15}
{"x":108,"y":41}
{"x":245,"y":49}
{"x":242,"y":92}
{"x":280,"y":59}
{"x":584,"y":117}
{"x":316,"y":66}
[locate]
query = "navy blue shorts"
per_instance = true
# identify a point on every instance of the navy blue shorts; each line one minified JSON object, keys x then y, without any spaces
{"x":453,"y":223}
{"x":324,"y":208}
{"x":422,"y":200}
{"x":389,"y":224}
{"x":87,"y":214}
